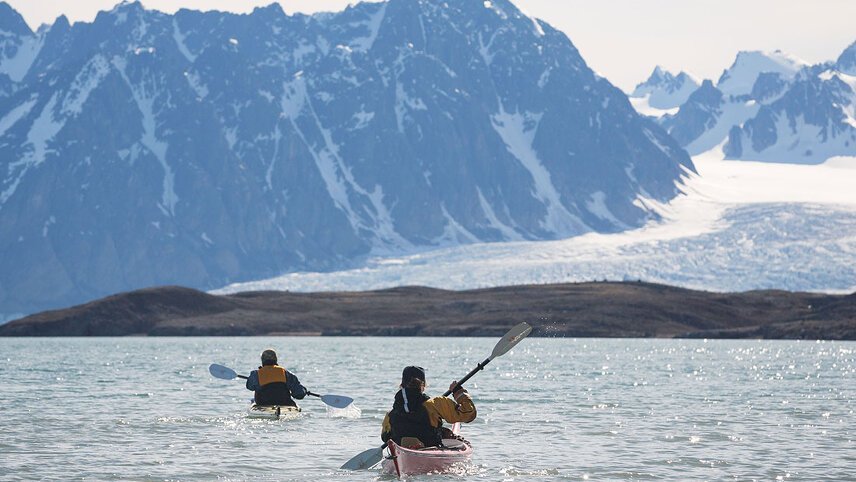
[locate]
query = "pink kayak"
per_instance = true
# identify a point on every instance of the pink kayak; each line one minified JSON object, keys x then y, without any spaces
{"x":403,"y":461}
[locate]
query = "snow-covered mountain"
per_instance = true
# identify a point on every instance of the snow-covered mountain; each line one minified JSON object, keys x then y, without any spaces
{"x":706,"y":118}
{"x":207,"y":148}
{"x":663,"y":92}
{"x":812,"y":121}
{"x":739,"y":79}
{"x":771,"y":107}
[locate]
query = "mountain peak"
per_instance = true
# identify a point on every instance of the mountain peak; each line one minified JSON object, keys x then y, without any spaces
{"x":11,"y":21}
{"x":707,"y":93}
{"x":273,"y":8}
{"x":741,"y":76}
{"x":658,"y":75}
{"x":122,"y":9}
{"x":61,"y":22}
{"x":125,"y":5}
{"x":846,"y":62}
{"x":666,"y":90}
{"x":685,"y":76}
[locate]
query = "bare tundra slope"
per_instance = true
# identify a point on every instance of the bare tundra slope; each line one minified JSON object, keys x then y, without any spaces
{"x":578,"y":310}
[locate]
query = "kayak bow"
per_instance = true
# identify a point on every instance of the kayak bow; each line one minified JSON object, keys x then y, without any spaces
{"x":272,"y":412}
{"x":403,"y":461}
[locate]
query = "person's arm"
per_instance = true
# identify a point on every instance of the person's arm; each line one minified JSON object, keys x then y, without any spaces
{"x":253,"y":381}
{"x":297,"y":390}
{"x":386,"y":429}
{"x":462,"y":409}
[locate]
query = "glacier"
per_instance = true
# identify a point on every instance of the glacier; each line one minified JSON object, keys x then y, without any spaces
{"x":738,"y":226}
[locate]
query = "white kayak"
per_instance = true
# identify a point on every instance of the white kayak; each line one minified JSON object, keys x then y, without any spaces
{"x":402,"y":461}
{"x":272,"y":412}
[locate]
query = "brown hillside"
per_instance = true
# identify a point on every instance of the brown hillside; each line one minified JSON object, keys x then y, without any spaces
{"x":579,"y":310}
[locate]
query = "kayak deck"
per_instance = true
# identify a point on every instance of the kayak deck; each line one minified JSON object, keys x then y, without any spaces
{"x":402,"y":461}
{"x":272,"y":412}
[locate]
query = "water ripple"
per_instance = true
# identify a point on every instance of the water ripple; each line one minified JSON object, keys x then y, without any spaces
{"x":587,"y":409}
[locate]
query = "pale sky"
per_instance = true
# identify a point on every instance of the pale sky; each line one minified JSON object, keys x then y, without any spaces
{"x":621,"y":39}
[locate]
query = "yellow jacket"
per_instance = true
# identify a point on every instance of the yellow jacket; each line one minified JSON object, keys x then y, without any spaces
{"x":443,"y":408}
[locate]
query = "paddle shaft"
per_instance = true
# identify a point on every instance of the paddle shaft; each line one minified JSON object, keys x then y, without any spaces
{"x":469,"y":375}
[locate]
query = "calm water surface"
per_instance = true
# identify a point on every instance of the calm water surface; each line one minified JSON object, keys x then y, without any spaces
{"x":585,"y":409}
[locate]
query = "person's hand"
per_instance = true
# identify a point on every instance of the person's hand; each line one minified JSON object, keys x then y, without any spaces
{"x":452,"y":387}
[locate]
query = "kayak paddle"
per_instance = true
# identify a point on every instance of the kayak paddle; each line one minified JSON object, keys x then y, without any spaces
{"x":373,"y":456}
{"x":335,"y":401}
{"x":226,"y":373}
{"x":502,"y":347}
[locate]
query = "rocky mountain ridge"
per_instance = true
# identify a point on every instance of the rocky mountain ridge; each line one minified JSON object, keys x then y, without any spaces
{"x":663,"y":91}
{"x":771,"y":107}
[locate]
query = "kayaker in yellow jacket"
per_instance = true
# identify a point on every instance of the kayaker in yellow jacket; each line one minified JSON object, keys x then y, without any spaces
{"x":273,"y":384}
{"x":418,"y":419}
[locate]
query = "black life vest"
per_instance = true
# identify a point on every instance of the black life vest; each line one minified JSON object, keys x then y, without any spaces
{"x":408,"y":418}
{"x":273,"y":388}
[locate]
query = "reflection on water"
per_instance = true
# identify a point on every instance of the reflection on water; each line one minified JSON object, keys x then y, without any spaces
{"x":597,"y":409}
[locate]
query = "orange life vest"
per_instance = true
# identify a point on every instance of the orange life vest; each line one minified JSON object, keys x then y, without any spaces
{"x":271,"y":374}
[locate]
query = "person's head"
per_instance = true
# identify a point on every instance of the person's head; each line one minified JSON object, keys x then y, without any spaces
{"x":413,"y":377}
{"x":268,"y":357}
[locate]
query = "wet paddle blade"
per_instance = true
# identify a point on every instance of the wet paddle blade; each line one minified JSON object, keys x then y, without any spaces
{"x":219,"y":371}
{"x":512,"y":338}
{"x":365,"y":460}
{"x":337,"y":401}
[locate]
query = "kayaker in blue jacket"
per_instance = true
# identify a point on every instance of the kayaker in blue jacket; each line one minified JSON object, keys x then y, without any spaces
{"x":417,"y":420}
{"x":273,"y":384}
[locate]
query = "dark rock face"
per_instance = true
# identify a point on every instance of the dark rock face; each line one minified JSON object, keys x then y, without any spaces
{"x":769,"y":85}
{"x":697,"y":115}
{"x":207,"y":148}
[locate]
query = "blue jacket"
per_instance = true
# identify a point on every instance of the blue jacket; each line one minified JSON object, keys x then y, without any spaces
{"x":297,"y":390}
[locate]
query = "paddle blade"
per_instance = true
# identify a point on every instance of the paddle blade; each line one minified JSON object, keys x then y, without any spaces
{"x":512,"y":338}
{"x":337,"y":401}
{"x":219,"y":371}
{"x":365,"y":460}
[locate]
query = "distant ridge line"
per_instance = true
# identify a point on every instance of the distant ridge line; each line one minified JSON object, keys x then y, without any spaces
{"x":593,"y":309}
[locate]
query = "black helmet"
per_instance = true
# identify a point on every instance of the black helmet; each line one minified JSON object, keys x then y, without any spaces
{"x":269,"y":357}
{"x":411,"y":373}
